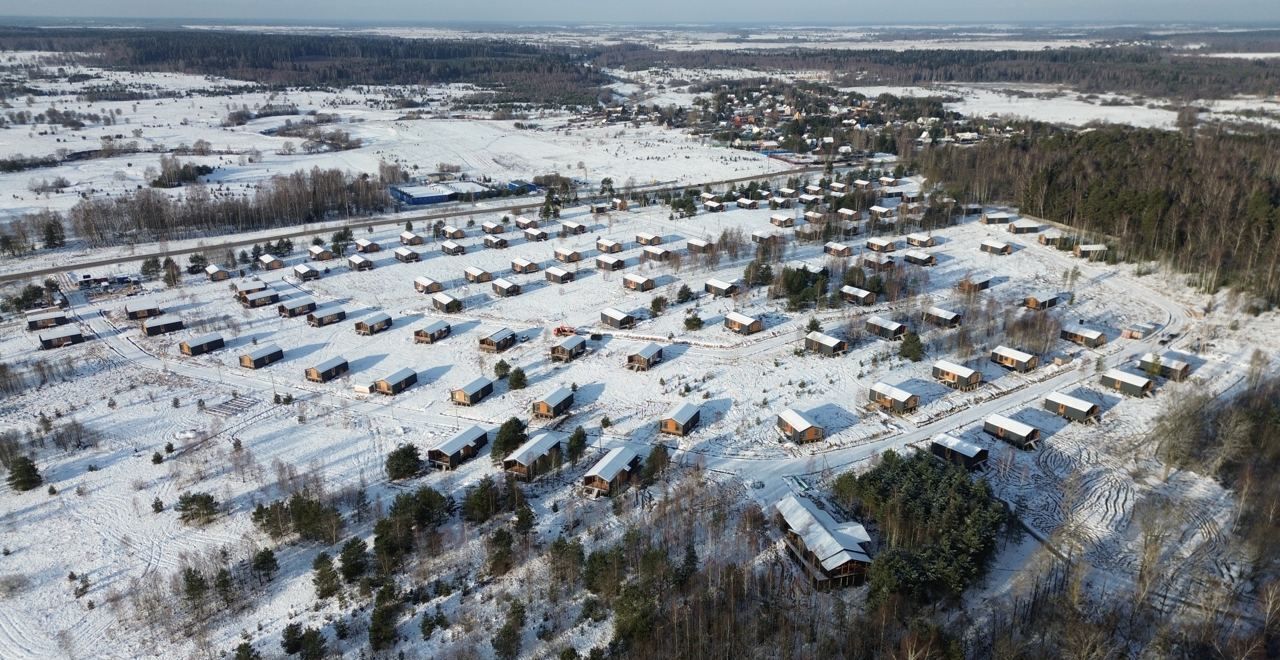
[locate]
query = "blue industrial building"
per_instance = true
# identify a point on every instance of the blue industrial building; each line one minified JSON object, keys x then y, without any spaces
{"x":421,"y":195}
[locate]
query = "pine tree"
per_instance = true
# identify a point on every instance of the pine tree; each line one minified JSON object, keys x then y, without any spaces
{"x":325,"y":578}
{"x":312,"y":645}
{"x":911,"y":348}
{"x":246,"y":652}
{"x":525,"y":520}
{"x":265,"y":564}
{"x":684,"y":295}
{"x":814,"y":325}
{"x":225,"y":586}
{"x":54,"y":235}
{"x":501,"y":369}
{"x":354,"y":559}
{"x":172,"y":274}
{"x":517,"y":380}
{"x":577,"y":444}
{"x":194,"y":586}
{"x":291,"y":638}
{"x":150,"y":268}
{"x":24,"y":475}
{"x":510,"y":436}
{"x":403,"y":462}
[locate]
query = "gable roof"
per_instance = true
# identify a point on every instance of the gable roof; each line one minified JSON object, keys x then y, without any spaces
{"x":533,"y":449}
{"x":614,"y":314}
{"x":614,"y":462}
{"x":207,"y":338}
{"x":464,"y":438}
{"x":682,"y":413}
{"x":824,"y":339}
{"x":796,"y":420}
{"x":1126,"y":377}
{"x":741,"y":319}
{"x":1058,"y":398}
{"x":434,"y":327}
{"x":330,"y":363}
{"x":474,"y":386}
{"x":957,"y":445}
{"x":648,"y":351}
{"x":1013,"y":425}
{"x":834,"y":544}
{"x":557,"y":396}
{"x":952,"y":367}
{"x":399,"y":376}
{"x":1012,"y":353}
{"x":895,"y":393}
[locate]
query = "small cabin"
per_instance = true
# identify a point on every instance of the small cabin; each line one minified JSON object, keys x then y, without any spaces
{"x":854,"y":295}
{"x":600,"y":208}
{"x":996,"y":247}
{"x":1083,"y":336}
{"x":495,"y":242}
{"x":877,"y":262}
{"x":885,"y":329}
{"x":559,"y":275}
{"x":261,"y":356}
{"x":612,"y":472}
{"x":504,"y":288}
{"x":1052,"y":237}
{"x":427,"y":285}
{"x":645,"y":358}
{"x":647,"y":239}
{"x":327,"y":316}
{"x":635,"y":282}
{"x":451,"y":232}
{"x":567,"y":255}
{"x":359,"y":263}
{"x":262,"y":298}
{"x":571,"y":228}
{"x":432,"y":332}
{"x":919,"y":258}
{"x":1092,"y":252}
{"x":1127,"y":383}
{"x":464,"y":445}
{"x":490,"y":227}
{"x":713,"y":207}
{"x":535,"y":235}
{"x":942,"y":318}
{"x":206,"y":343}
{"x":296,"y":307}
{"x":374,"y":324}
{"x":443,"y":302}
{"x":410,"y":238}
{"x":608,"y":246}
{"x":136,"y":311}
{"x":781,"y":220}
{"x":618,"y":204}
{"x":1023,"y":226}
{"x":397,"y":382}
{"x":365,"y":245}
{"x":832,"y":554}
{"x":569,"y":349}
{"x":554,"y":404}
{"x":526,"y":223}
{"x":476,"y":275}
{"x":763,"y":237}
{"x":536,"y":456}
{"x":974,"y":283}
{"x":471,"y":393}
{"x":823,"y":344}
{"x":270,"y":262}
{"x":838,"y":249}
{"x":1165,"y":366}
{"x":523,"y":266}
{"x":607,"y":263}
{"x":893,"y":399}
{"x":159,"y":325}
{"x":796,"y":427}
{"x":954,"y":450}
{"x":319,"y":253}
{"x":1022,"y":436}
{"x":453,"y":248}
{"x":655,"y":253}
{"x":920,"y":240}
{"x":745,"y":203}
{"x":742,"y":324}
{"x":995,"y":218}
{"x":498,"y":341}
{"x":60,"y":336}
{"x":216,"y":273}
{"x":1140,"y":331}
{"x":882,"y":213}
{"x":721,"y":288}
{"x":1040,"y":301}
{"x":407,"y":256}
{"x":699,"y":246}
{"x":1014,"y":359}
{"x":808,"y":199}
{"x":327,"y":370}
{"x":1070,"y":407}
{"x":877,"y":244}
{"x":248,"y":287}
{"x":305,"y":273}
{"x":617,"y":319}
{"x":681,"y":420}
{"x":957,"y":376}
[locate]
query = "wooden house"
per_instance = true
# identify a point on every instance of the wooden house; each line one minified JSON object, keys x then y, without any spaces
{"x":296,"y":307}
{"x":327,"y":316}
{"x":443,"y":302}
{"x":884,"y":328}
{"x":523,"y":266}
{"x":536,"y":235}
{"x":893,"y":399}
{"x":1051,"y":237}
{"x":647,"y":239}
{"x":407,"y":256}
{"x":569,"y":349}
{"x":327,"y":370}
{"x":655,"y":253}
{"x":248,"y":287}
{"x":617,"y":319}
{"x":1131,"y":384}
{"x":567,"y":255}
{"x":1023,"y":226}
{"x":1092,"y":252}
{"x":464,"y":445}
{"x":832,"y":554}
{"x":837,"y":249}
{"x":138,"y":310}
{"x":1014,"y":359}
{"x":45,"y":320}
{"x":476,"y":275}
{"x":305,"y":273}
{"x":635,"y":282}
{"x":882,"y":214}
{"x":954,"y":450}
{"x":995,"y":218}
{"x":554,"y":404}
{"x":319,"y":253}
{"x":491,"y":228}
{"x":919,"y":258}
{"x":763,"y":237}
{"x":261,"y":356}
{"x":781,"y":220}
{"x":60,"y":336}
{"x":974,"y":283}
{"x":396,"y":382}
{"x":559,"y":275}
{"x":720,"y":288}
{"x":270,"y":262}
{"x":364,"y":245}
{"x":1023,"y":436}
{"x":1040,"y":301}
{"x":600,"y":208}
{"x":206,"y":343}
{"x":796,"y":427}
{"x":159,"y":325}
{"x":920,"y":240}
{"x":808,"y":200}
{"x":618,"y":204}
{"x":504,"y":288}
{"x":453,"y":248}
{"x":823,"y":344}
{"x":608,"y":264}
{"x":263,"y":298}
{"x":608,"y":246}
{"x":471,"y":393}
{"x":957,"y":376}
{"x":611,"y":473}
{"x":410,"y":238}
{"x":1070,"y":407}
{"x":495,"y":242}
{"x":373,"y":324}
{"x":681,"y":420}
{"x":942,"y":318}
{"x":784,"y":193}
{"x":742,"y":324}
{"x":1083,"y":336}
{"x":745,"y":203}
{"x":877,"y":244}
{"x":1166,"y":366}
{"x":359,"y":263}
{"x":852,"y":294}
{"x":424,"y":284}
{"x":454,"y":233}
{"x":432,"y":332}
{"x":645,"y":358}
{"x":995,"y":247}
{"x":526,"y":223}
{"x":216,"y":273}
{"x":498,"y":341}
{"x":877,"y":262}
{"x":536,"y":456}
{"x":1139,"y":331}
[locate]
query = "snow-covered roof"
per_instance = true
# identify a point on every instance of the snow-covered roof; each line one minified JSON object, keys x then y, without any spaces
{"x":207,"y":338}
{"x":249,"y":286}
{"x":303,"y":269}
{"x":553,"y":271}
{"x":443,"y":298}
{"x":404,"y":235}
{"x":565,"y":252}
{"x":656,"y":250}
{"x":533,"y":449}
{"x":916,"y":254}
{"x":998,"y":215}
{"x":638,"y":279}
{"x":882,"y":322}
{"x":449,"y":245}
{"x":61,"y":332}
{"x":824,"y":339}
{"x":780,"y":217}
{"x":167,"y":319}
{"x":521,"y":262}
{"x":357,"y":259}
{"x":682,"y":413}
{"x":297,"y":303}
{"x":877,"y":258}
{"x":1165,"y":361}
{"x":424,"y":281}
{"x":363,"y":242}
{"x":570,"y":224}
{"x":645,"y":236}
{"x":1058,"y":398}
{"x":952,"y":367}
{"x":213,"y":268}
{"x":834,"y":544}
{"x":535,"y":231}
{"x":648,"y":351}
{"x":1043,"y":296}
{"x":849,"y":213}
{"x":489,"y":224}
{"x":895,"y":393}
{"x":1093,"y":247}
{"x":500,"y":335}
{"x":608,"y":259}
{"x":330,"y":363}
{"x":503,"y":283}
{"x":1012,"y":353}
{"x":879,"y":209}
{"x":570,"y":343}
{"x":795,"y":420}
{"x":474,"y":387}
{"x":741,"y":319}
{"x":135,"y":306}
{"x":995,"y":245}
{"x":1012,"y":425}
{"x":614,"y":314}
{"x":919,"y":238}
{"x":475,"y":271}
{"x":957,"y":445}
{"x":262,"y":351}
{"x":854,"y":291}
{"x":1082,"y":331}
{"x":449,"y":229}
{"x":978,"y":278}
{"x":268,"y":258}
{"x":379,"y":317}
{"x":835,"y":247}
{"x":1126,"y":377}
{"x":697,"y":242}
{"x":465,"y":438}
{"x":879,"y":242}
{"x":434,"y":327}
{"x":1025,"y":223}
{"x":557,"y":396}
{"x":404,"y":251}
{"x":614,"y":462}
{"x":719,"y":284}
{"x":942,"y":313}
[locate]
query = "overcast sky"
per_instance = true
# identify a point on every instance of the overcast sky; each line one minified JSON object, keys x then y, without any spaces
{"x":841,"y":12}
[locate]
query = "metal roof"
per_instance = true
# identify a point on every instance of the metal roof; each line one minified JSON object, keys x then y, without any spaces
{"x":570,"y":343}
{"x":399,"y":376}
{"x":167,"y":319}
{"x":884,"y":323}
{"x":556,"y":272}
{"x":1012,"y":353}
{"x":1058,"y":398}
{"x":533,"y":449}
{"x":332,"y":362}
{"x":1012,"y":425}
{"x":824,"y":339}
{"x":682,"y":413}
{"x":614,"y":314}
{"x":854,"y":291}
{"x":1126,"y":377}
{"x":1084,"y":332}
{"x":207,"y":338}
{"x":263,"y":351}
{"x":443,"y":298}
{"x":942,"y":313}
{"x":380,"y":317}
{"x":557,"y":396}
{"x":295,"y":303}
{"x":742,"y":319}
{"x":135,"y":306}
{"x":617,"y":460}
{"x":795,"y":420}
{"x":895,"y":393}
{"x":500,"y":335}
{"x":465,"y":438}
{"x":475,"y":386}
{"x":649,"y":351}
{"x":834,"y":544}
{"x":58,"y":333}
{"x":434,"y":327}
{"x":957,"y":445}
{"x":952,"y":367}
